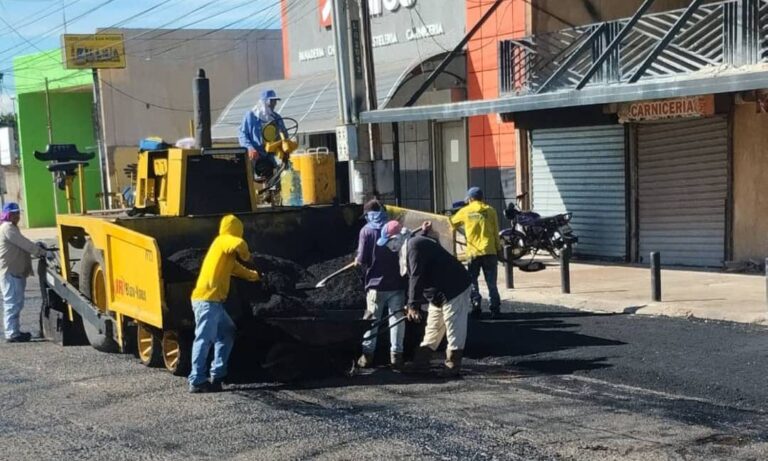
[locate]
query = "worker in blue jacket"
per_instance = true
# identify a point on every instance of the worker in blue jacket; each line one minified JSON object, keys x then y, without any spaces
{"x":250,"y":133}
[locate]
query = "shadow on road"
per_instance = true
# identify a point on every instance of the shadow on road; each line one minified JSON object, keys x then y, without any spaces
{"x":529,"y":333}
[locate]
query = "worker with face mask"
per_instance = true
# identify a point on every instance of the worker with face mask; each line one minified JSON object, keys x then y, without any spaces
{"x":15,"y":266}
{"x":435,"y":278}
{"x":213,"y":326}
{"x":385,"y":287}
{"x":250,"y":133}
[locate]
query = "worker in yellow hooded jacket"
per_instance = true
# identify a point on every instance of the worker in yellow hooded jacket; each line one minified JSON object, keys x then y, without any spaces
{"x":213,"y":326}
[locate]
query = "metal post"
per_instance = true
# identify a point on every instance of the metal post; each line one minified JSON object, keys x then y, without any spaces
{"x":106,"y":186}
{"x":510,"y":275}
{"x":341,"y":43}
{"x":81,"y":186}
{"x":766,"y":279}
{"x":48,"y":112}
{"x":50,"y":141}
{"x":202,"y":101}
{"x":565,"y":269}
{"x":656,"y":276}
{"x":396,"y":163}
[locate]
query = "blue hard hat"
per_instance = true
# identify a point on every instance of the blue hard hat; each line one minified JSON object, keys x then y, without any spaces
{"x":268,"y":95}
{"x":475,"y":193}
{"x":11,"y":207}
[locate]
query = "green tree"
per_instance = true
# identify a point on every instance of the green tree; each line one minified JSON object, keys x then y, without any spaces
{"x":8,"y":120}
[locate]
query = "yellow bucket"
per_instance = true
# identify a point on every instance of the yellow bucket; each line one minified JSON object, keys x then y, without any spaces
{"x":317,"y":168}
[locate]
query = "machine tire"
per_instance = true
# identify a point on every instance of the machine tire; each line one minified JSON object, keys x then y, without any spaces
{"x":176,"y":353}
{"x":149,"y":346}
{"x":92,"y":285}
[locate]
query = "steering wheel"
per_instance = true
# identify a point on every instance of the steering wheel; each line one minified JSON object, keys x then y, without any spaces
{"x":271,"y":133}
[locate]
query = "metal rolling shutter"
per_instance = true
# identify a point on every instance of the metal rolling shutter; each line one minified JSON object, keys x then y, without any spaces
{"x":581,"y":170}
{"x":683,"y":187}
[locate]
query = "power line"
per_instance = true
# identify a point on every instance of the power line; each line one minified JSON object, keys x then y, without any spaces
{"x":97,"y":7}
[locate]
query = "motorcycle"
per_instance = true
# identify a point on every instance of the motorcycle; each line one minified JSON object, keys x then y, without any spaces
{"x":530,"y":233}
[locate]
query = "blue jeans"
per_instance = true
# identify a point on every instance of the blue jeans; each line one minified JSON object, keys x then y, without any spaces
{"x":390,"y":302}
{"x":490,"y":266}
{"x":13,"y":301}
{"x":213,"y":327}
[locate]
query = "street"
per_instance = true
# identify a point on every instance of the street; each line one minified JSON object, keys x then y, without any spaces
{"x":541,"y":383}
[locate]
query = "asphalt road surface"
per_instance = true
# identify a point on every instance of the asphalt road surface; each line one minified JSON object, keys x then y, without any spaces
{"x":541,"y":384}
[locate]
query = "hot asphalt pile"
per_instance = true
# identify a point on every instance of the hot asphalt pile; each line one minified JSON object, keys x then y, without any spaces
{"x":279,"y":297}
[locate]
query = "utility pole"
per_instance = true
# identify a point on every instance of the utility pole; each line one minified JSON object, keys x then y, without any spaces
{"x":106,"y":184}
{"x":357,"y":91}
{"x":50,"y":141}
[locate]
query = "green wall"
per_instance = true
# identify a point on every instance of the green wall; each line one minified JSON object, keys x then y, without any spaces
{"x":71,"y":103}
{"x":72,"y":124}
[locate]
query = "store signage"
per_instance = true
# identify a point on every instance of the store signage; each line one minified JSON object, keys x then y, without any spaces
{"x":375,"y":8}
{"x":377,"y":41}
{"x":93,"y":51}
{"x":662,"y":109}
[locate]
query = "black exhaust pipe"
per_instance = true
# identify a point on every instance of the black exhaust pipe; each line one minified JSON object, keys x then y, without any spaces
{"x":202,"y":100}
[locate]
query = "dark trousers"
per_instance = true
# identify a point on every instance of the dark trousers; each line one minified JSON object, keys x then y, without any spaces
{"x":490,"y":267}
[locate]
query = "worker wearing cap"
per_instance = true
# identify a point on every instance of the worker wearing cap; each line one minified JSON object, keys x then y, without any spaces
{"x":385,"y":286}
{"x":213,"y":326}
{"x":15,"y":266}
{"x":481,"y":228}
{"x":437,"y":279}
{"x":250,"y":133}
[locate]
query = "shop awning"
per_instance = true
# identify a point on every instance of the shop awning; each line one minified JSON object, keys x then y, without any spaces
{"x":312,"y":100}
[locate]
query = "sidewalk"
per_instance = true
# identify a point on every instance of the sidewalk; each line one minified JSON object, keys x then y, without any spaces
{"x":40,"y":233}
{"x":627,"y":289}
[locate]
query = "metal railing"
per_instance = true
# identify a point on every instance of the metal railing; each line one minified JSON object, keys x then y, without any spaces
{"x":700,"y":38}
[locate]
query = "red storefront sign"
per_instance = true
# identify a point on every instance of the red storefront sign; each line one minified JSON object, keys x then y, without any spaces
{"x":663,"y":109}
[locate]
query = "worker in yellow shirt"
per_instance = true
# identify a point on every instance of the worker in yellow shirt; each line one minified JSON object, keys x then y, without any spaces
{"x":213,"y":326}
{"x":481,"y":227}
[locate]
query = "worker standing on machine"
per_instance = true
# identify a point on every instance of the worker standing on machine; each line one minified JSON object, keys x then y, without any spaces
{"x":213,"y":326}
{"x":385,"y":287}
{"x":16,"y":253}
{"x":436,"y":278}
{"x":481,"y":227}
{"x":251,"y":137}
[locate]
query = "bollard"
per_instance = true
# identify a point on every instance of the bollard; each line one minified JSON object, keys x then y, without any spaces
{"x":656,"y":276}
{"x":509,"y":267}
{"x":565,"y":269}
{"x":766,"y":279}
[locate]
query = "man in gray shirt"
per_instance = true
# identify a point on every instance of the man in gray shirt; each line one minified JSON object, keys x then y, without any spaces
{"x":16,"y":253}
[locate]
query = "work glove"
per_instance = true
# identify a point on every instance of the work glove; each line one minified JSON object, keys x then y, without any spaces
{"x":413,"y":314}
{"x":41,"y":249}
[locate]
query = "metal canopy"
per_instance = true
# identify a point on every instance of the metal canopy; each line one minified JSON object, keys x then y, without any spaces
{"x":312,"y":99}
{"x":742,"y":79}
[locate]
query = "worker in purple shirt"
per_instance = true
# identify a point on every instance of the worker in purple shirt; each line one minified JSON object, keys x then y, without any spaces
{"x":385,"y":287}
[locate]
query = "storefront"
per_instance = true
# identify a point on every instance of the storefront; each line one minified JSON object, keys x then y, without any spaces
{"x":681,"y":161}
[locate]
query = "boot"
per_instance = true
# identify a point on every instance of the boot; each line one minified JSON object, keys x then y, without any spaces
{"x":396,"y":360}
{"x":365,"y":361}
{"x":453,"y":363}
{"x":420,"y":363}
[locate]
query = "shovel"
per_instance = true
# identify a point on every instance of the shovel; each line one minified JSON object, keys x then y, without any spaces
{"x":322,"y":282}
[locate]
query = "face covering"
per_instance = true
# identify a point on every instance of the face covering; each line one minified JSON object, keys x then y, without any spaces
{"x":263,"y":111}
{"x":395,"y":243}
